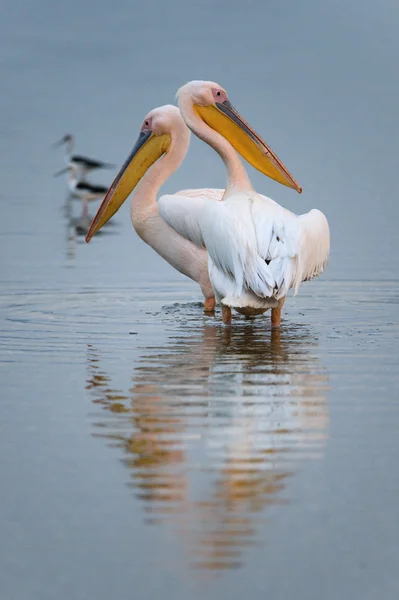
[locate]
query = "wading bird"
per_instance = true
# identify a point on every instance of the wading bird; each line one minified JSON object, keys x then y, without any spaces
{"x":82,"y":164}
{"x":163,"y":133}
{"x":257,"y":249}
{"x":80,"y":188}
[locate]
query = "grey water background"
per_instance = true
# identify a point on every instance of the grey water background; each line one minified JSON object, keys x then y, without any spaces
{"x":145,"y":451}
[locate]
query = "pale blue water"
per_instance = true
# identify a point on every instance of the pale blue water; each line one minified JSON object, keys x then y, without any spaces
{"x":145,"y":451}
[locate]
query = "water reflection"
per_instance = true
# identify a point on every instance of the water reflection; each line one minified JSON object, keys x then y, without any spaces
{"x":213,"y":427}
{"x":78,"y":220}
{"x":78,"y":223}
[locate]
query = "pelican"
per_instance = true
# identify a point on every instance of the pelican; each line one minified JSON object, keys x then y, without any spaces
{"x":163,"y":135}
{"x":82,"y":163}
{"x":257,"y":249}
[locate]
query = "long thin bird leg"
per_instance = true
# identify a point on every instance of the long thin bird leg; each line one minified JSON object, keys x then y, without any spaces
{"x":209,"y":305}
{"x":226,"y":315}
{"x":276,"y":313}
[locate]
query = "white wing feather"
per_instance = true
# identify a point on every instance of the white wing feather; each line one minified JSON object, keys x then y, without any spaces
{"x":295,"y":248}
{"x":257,"y":249}
{"x":183,"y":211}
{"x":230,"y":238}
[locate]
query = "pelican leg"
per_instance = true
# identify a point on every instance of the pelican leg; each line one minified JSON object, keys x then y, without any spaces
{"x":226,"y":315}
{"x":276,"y":313}
{"x":209,"y":305}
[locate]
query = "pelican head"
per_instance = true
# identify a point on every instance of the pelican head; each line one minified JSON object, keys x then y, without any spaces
{"x":211,"y":103}
{"x":154,"y":140}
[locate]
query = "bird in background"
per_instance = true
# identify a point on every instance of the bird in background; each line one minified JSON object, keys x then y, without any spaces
{"x":257,"y":250}
{"x":82,"y":164}
{"x":80,"y":188}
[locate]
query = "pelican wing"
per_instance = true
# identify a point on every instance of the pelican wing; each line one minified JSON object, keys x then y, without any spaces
{"x":183,"y":211}
{"x":257,"y":246}
{"x":294,"y":248}
{"x":315,"y":245}
{"x":183,"y":214}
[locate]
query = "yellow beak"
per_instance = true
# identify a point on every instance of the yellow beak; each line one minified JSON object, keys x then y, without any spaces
{"x":147,"y":150}
{"x":226,"y":120}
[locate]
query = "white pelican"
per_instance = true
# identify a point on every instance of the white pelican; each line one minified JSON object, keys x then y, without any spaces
{"x":257,"y":249}
{"x":163,"y":134}
{"x":82,"y":163}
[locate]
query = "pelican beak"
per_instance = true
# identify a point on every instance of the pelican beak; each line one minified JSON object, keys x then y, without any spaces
{"x":226,"y":120}
{"x":147,"y":150}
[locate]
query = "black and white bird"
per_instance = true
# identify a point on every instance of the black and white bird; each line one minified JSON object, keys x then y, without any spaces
{"x":80,"y":188}
{"x":82,"y":163}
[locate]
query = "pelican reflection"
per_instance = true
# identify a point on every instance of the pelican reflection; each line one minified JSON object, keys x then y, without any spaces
{"x":214,"y":425}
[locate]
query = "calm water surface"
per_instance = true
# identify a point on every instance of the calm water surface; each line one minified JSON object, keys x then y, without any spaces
{"x":146,"y":451}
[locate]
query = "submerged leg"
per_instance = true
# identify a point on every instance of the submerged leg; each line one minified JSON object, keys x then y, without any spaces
{"x":226,"y":314}
{"x":275,"y":338}
{"x":276,"y":313}
{"x":209,"y":304}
